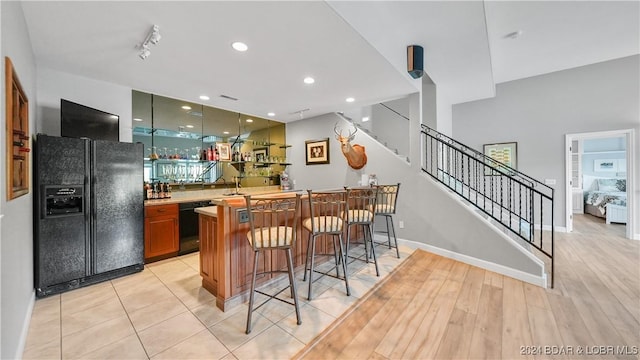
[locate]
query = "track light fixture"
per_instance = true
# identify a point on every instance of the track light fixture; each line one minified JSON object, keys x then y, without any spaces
{"x":153,"y":37}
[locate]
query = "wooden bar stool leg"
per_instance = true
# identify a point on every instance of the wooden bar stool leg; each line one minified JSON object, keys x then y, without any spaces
{"x":253,"y":288}
{"x":292,"y":282}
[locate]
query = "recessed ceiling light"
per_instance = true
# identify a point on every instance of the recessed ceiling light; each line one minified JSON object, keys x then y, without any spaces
{"x":249,"y":120}
{"x":350,"y":99}
{"x":186,"y":107}
{"x":190,"y":126}
{"x":309,"y":80}
{"x":225,"y":132}
{"x":272,"y":114}
{"x":137,"y":119}
{"x":239,"y":46}
{"x":204,"y":97}
{"x":366,"y":118}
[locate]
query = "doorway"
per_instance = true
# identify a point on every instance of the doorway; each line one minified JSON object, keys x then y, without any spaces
{"x":600,"y":170}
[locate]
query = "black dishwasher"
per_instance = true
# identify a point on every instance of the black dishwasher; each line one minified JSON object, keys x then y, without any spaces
{"x":189,"y":237}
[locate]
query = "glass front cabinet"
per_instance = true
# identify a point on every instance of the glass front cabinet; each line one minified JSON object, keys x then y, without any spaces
{"x":188,"y":143}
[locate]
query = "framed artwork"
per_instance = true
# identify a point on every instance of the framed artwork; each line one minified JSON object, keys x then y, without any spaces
{"x":504,"y":153}
{"x":317,"y":151}
{"x":261,"y":154}
{"x":606,"y":165}
{"x":224,"y":150}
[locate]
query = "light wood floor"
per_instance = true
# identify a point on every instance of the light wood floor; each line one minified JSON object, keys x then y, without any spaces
{"x":434,"y":307}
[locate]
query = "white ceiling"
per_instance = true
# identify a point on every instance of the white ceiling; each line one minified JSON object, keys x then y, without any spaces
{"x":353,"y":49}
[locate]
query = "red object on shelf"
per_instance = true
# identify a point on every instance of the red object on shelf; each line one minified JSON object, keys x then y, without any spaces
{"x":22,"y":149}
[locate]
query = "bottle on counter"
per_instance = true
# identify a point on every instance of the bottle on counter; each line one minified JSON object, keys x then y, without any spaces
{"x":216,"y":155}
{"x":147,"y":191}
{"x":210,"y":153}
{"x":161,"y":191}
{"x":154,"y":191}
{"x":167,"y":190}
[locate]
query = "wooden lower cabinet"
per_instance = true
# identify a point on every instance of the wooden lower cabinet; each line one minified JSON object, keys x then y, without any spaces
{"x":161,"y":232}
{"x":208,"y":225}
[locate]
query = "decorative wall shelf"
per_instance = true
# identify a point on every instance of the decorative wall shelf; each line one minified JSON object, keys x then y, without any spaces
{"x":18,"y":146}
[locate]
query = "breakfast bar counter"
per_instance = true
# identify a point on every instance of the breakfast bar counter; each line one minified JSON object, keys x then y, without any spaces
{"x":226,"y":257}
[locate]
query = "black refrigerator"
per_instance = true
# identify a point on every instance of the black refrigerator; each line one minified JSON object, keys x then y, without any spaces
{"x":88,"y":212}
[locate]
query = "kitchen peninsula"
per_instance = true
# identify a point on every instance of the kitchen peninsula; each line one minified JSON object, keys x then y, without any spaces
{"x":226,"y":258}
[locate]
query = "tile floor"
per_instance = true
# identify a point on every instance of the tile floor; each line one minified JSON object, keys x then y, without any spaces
{"x":164,"y":313}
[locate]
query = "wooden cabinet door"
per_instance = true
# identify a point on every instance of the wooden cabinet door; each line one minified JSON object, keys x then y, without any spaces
{"x":161,"y":235}
{"x":208,"y":227}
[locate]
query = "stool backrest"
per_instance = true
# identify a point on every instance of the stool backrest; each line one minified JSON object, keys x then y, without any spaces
{"x":276,"y":215}
{"x":328,"y":208}
{"x":361,"y":204}
{"x":387,"y":198}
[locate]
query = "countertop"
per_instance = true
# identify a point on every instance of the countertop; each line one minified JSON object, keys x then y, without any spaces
{"x":216,"y":196}
{"x":209,"y":211}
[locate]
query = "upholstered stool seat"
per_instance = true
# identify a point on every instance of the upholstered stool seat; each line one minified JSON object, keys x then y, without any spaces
{"x":323,"y":224}
{"x":272,"y":237}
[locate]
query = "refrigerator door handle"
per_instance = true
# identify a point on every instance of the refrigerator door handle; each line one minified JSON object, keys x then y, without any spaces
{"x":93,"y":209}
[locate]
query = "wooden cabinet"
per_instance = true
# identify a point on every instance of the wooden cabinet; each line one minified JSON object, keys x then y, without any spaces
{"x":161,"y":236}
{"x":208,"y":226}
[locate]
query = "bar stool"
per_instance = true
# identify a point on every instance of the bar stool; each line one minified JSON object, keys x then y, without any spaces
{"x":272,"y":224}
{"x":361,"y":205}
{"x":327,"y":209}
{"x":386,"y":206}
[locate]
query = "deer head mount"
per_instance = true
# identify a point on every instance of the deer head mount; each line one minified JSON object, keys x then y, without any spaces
{"x":354,"y":154}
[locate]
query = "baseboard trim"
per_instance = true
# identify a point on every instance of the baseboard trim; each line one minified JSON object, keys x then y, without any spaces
{"x":500,"y":269}
{"x":22,"y":342}
{"x":548,"y":228}
{"x":636,"y":237}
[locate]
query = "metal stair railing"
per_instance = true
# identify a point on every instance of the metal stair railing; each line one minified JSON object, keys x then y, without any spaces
{"x":518,"y":202}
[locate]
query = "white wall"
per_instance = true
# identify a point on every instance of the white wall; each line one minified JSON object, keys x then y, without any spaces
{"x":16,"y":236}
{"x":392,"y":128}
{"x":537,"y":112}
{"x":55,"y":85}
{"x":430,"y":215}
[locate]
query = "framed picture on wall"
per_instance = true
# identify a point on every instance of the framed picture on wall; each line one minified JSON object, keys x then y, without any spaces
{"x":261,"y":154}
{"x":317,"y":151}
{"x":224,"y":150}
{"x":607,"y":165}
{"x":502,"y":153}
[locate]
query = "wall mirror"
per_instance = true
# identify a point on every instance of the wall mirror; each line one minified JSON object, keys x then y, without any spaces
{"x":180,"y":138}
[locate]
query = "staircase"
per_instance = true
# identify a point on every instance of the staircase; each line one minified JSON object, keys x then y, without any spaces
{"x":519,"y":204}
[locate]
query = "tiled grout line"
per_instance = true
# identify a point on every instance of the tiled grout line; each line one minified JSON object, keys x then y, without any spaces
{"x":130,"y":321}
